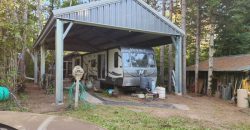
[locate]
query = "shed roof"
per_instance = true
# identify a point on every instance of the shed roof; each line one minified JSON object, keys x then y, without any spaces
{"x":109,"y":23}
{"x":226,"y":63}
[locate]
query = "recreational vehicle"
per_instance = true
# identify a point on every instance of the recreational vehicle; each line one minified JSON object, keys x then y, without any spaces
{"x":123,"y":66}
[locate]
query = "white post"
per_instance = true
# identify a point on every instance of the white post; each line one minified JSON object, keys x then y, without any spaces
{"x":35,"y":67}
{"x":59,"y":62}
{"x":178,"y":64}
{"x":176,"y":69}
{"x":42,"y":64}
{"x":179,"y":41}
{"x":76,"y":93}
{"x":77,"y":73}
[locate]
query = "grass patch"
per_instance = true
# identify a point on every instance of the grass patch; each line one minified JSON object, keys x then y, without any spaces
{"x":8,"y":105}
{"x":241,"y":126}
{"x":11,"y":104}
{"x":120,"y":118}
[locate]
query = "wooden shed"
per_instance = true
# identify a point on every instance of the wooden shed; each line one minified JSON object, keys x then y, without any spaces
{"x":227,"y":70}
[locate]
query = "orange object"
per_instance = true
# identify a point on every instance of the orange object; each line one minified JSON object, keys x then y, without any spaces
{"x":246,"y":84}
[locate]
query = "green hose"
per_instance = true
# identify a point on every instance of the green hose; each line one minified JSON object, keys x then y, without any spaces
{"x":4,"y":93}
{"x":82,"y":95}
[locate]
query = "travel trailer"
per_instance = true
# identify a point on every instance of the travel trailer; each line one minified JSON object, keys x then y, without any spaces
{"x":123,"y":66}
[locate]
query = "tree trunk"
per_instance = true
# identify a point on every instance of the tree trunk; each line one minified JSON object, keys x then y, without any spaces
{"x":183,"y":26}
{"x":25,"y":21}
{"x":14,"y":67}
{"x":170,"y":57}
{"x":162,"y":49}
{"x":197,"y":46}
{"x":39,"y":16}
{"x":40,"y":26}
{"x":210,"y":60}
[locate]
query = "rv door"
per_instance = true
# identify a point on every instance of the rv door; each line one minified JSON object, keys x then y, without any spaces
{"x":101,"y":66}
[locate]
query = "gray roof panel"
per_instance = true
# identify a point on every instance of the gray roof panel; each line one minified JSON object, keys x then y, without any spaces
{"x":108,"y":24}
{"x":127,"y":14}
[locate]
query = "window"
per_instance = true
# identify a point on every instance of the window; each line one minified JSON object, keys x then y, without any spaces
{"x":151,"y":60}
{"x":142,"y":60}
{"x":139,"y":59}
{"x":126,"y":59}
{"x":70,"y":68}
{"x":116,"y":59}
{"x":77,"y":62}
{"x":93,"y":63}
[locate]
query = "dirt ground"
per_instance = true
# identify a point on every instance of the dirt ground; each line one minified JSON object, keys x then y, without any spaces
{"x":39,"y":102}
{"x":215,"y":112}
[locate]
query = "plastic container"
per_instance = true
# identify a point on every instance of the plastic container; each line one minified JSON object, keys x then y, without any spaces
{"x":161,"y":91}
{"x":141,"y":96}
{"x":242,"y":98}
{"x":226,"y":93}
{"x":4,"y":93}
{"x":153,"y":84}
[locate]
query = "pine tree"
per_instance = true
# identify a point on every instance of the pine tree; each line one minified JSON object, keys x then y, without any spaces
{"x":197,"y":45}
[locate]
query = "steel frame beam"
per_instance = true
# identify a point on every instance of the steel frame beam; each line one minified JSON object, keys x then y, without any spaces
{"x":59,"y":61}
{"x":177,"y":41}
{"x":35,"y":67}
{"x":42,"y":64}
{"x":67,"y":30}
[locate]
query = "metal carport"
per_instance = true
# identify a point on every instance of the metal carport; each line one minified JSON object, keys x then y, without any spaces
{"x":106,"y":24}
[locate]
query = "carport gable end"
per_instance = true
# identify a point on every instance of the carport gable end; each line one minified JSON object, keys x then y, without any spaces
{"x":131,"y":15}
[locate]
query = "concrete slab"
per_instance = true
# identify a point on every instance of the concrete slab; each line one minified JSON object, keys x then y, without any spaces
{"x":92,"y":99}
{"x":32,"y":121}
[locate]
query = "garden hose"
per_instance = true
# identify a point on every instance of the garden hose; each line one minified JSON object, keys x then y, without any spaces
{"x":82,"y":95}
{"x":4,"y":93}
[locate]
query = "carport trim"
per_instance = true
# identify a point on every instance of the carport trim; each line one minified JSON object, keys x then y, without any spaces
{"x":115,"y":27}
{"x":67,"y":30}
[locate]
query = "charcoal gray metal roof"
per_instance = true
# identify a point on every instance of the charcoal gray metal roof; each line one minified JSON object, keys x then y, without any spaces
{"x":107,"y":24}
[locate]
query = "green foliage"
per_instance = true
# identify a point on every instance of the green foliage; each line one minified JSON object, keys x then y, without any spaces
{"x":120,"y":118}
{"x":232,"y":23}
{"x":12,"y":105}
{"x":68,"y":2}
{"x":18,"y":31}
{"x":233,"y":28}
{"x":8,"y":106}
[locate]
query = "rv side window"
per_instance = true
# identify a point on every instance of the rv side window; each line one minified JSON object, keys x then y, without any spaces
{"x":151,"y":61}
{"x":116,"y":58}
{"x":93,"y":63}
{"x":69,"y":67}
{"x":126,"y":59}
{"x":77,"y":62}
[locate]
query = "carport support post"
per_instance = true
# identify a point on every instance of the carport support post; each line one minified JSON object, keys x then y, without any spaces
{"x":42,"y":65}
{"x":178,"y":64}
{"x":35,"y":67}
{"x":59,"y":62}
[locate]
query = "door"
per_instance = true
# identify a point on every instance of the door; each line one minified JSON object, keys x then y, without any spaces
{"x":101,"y":66}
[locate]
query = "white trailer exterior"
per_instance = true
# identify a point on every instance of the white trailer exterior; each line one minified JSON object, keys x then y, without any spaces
{"x":123,"y":66}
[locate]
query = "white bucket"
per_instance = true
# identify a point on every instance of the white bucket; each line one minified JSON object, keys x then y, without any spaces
{"x":161,"y":91}
{"x":242,"y":98}
{"x":141,"y":96}
{"x":153,"y":84}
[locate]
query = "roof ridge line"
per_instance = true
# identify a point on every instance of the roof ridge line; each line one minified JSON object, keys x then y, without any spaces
{"x":82,"y":6}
